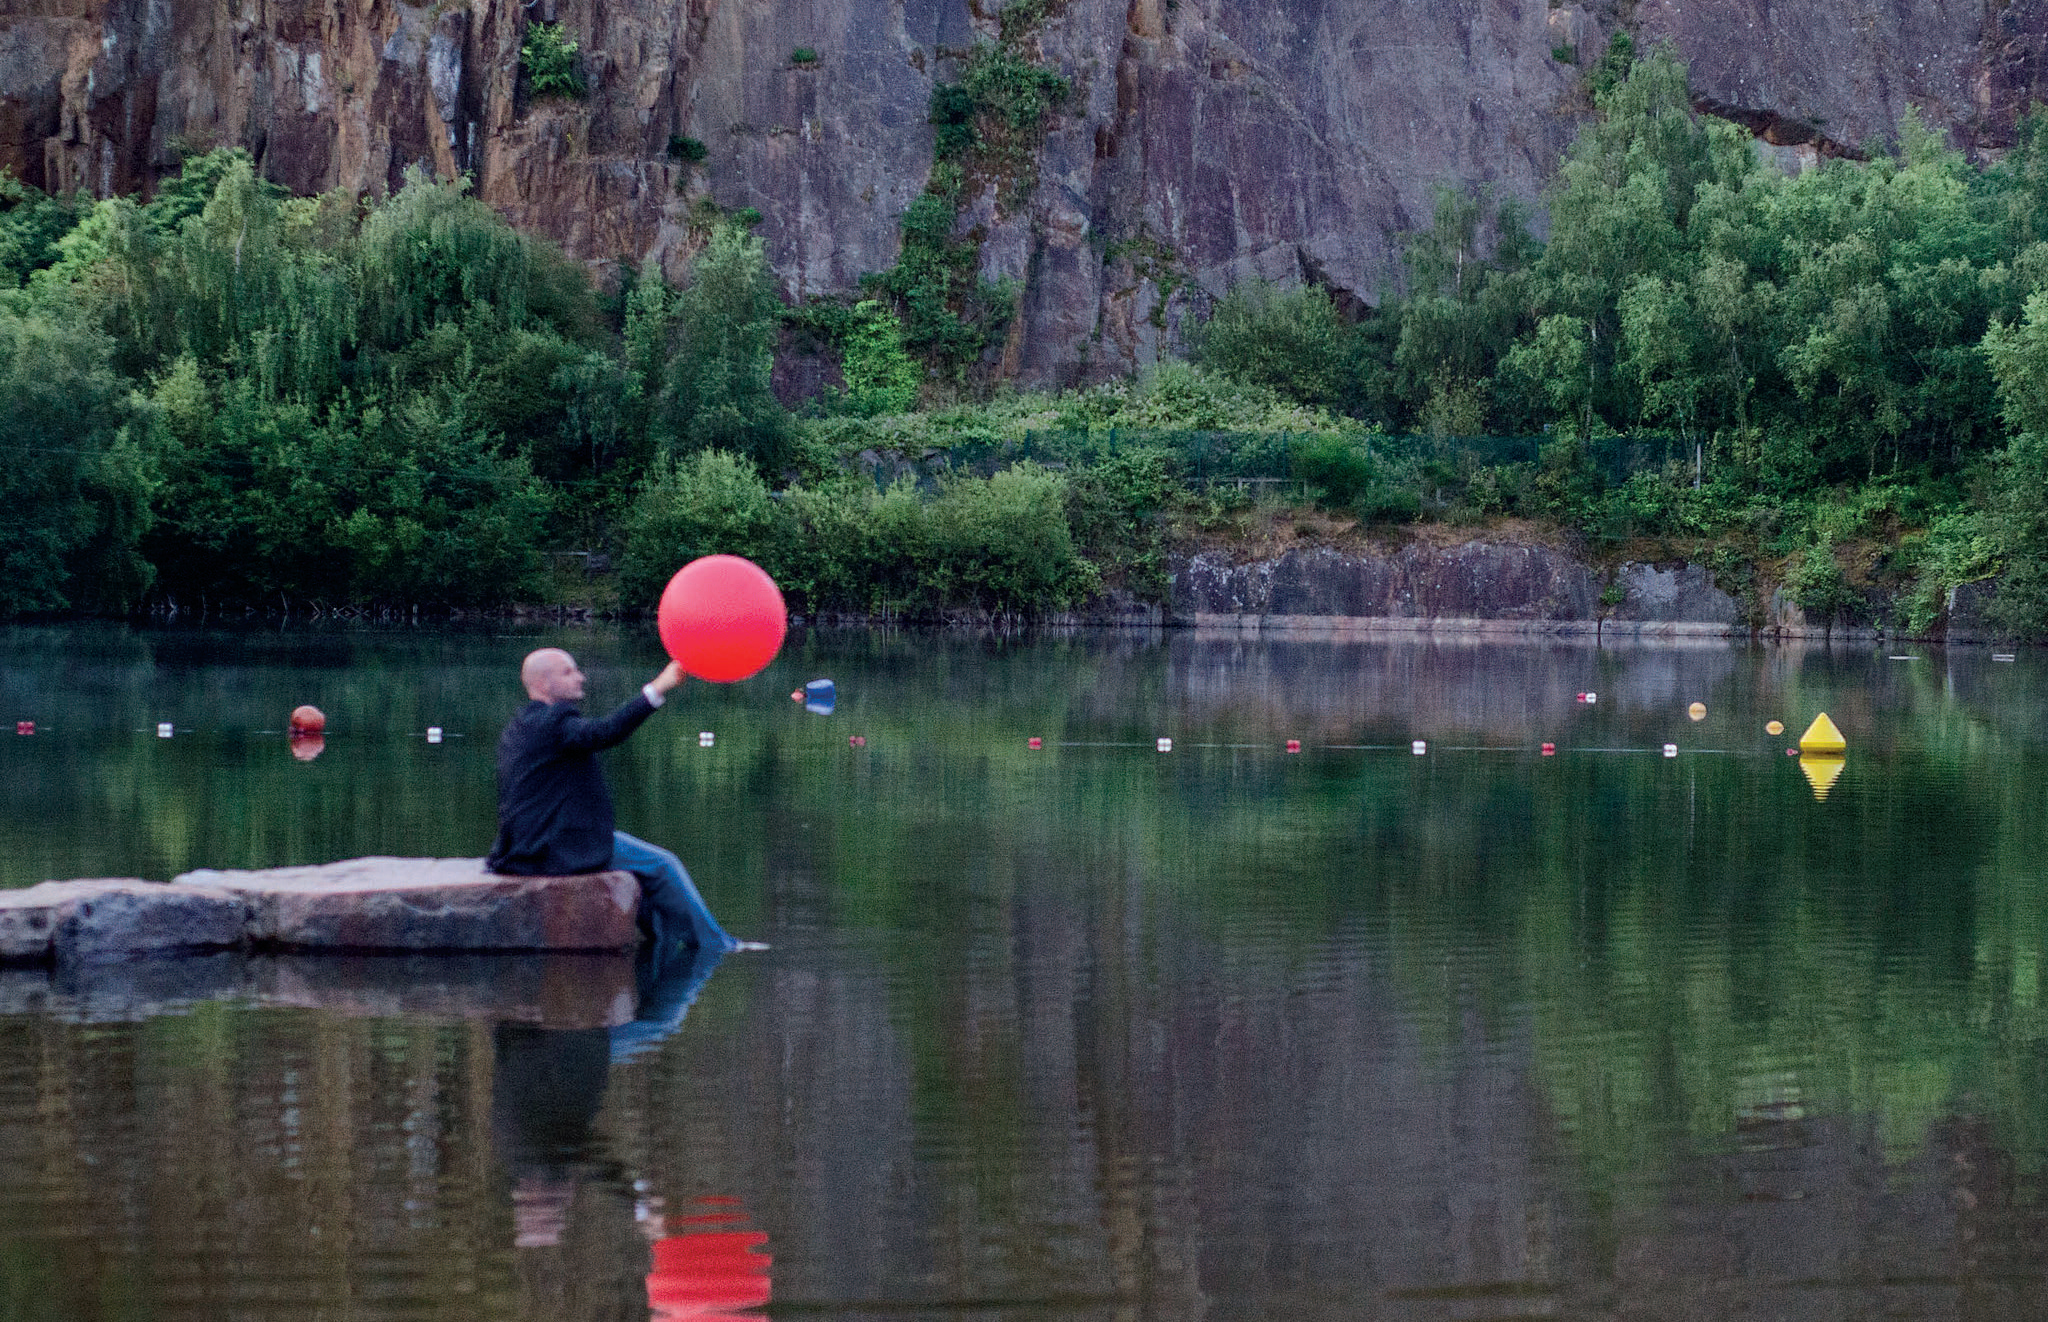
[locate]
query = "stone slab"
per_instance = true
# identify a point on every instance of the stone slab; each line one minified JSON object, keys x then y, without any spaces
{"x":111,"y":919}
{"x":429,"y":904}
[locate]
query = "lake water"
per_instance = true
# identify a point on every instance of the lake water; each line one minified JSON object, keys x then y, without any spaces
{"x":1089,"y":1031}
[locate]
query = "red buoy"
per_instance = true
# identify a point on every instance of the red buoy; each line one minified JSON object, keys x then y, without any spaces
{"x":1294,"y":745}
{"x":722,"y":618}
{"x":308,"y":720}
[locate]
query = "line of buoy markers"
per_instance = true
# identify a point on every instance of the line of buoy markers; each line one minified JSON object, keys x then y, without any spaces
{"x":1822,"y":741}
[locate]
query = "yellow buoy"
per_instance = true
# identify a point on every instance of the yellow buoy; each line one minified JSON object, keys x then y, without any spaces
{"x":1822,"y":771}
{"x":1822,"y":737}
{"x":1698,"y":711}
{"x":1774,"y":727}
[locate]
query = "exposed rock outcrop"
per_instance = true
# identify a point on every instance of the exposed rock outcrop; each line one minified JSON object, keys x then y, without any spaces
{"x":104,"y":920}
{"x":361,"y":904}
{"x":1478,"y":587}
{"x":1205,"y":140}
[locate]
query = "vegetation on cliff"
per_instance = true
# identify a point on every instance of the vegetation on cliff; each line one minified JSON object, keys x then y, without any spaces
{"x":1835,"y":381}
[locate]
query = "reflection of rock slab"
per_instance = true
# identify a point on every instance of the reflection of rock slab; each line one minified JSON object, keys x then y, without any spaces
{"x":429,"y":904}
{"x":552,"y":991}
{"x":560,"y":990}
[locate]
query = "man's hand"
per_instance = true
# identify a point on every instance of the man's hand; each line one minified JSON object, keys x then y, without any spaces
{"x":670,"y":676}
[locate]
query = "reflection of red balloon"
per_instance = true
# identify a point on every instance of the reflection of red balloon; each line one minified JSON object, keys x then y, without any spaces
{"x":713,"y":1273}
{"x":308,"y":720}
{"x":722,"y":618}
{"x":306,"y":747}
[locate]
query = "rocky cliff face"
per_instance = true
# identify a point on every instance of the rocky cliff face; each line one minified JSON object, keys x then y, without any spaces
{"x":1204,"y":140}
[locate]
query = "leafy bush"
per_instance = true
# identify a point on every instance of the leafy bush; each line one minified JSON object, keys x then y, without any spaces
{"x":880,"y":375}
{"x":803,"y":56}
{"x":1002,"y":545}
{"x":31,"y":223}
{"x":691,"y":150}
{"x":1338,"y":469}
{"x":1291,"y":341}
{"x":711,"y":502}
{"x":549,"y":62}
{"x":1817,"y":585}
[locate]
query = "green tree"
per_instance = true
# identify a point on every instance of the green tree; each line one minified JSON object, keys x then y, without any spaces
{"x":73,"y":488}
{"x":1293,"y":341}
{"x":707,"y":503}
{"x":718,"y":393}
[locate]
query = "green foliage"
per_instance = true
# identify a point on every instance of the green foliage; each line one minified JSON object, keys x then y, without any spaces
{"x":354,"y":503}
{"x":691,"y":150}
{"x":1114,"y":509}
{"x":880,"y":375}
{"x":711,"y":502}
{"x":989,"y":123}
{"x":1002,"y":546}
{"x":1342,"y":474}
{"x":548,"y":59}
{"x":1817,"y":585}
{"x":31,"y":224}
{"x":1290,"y":340}
{"x":803,"y":56}
{"x":997,"y":546}
{"x":717,"y":393}
{"x":1957,"y":549}
{"x":1614,"y":65}
{"x":949,"y":315}
{"x":73,"y":488}
{"x":1020,"y":17}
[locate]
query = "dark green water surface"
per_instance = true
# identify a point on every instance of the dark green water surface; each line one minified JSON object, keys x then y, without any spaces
{"x":1091,"y":1031}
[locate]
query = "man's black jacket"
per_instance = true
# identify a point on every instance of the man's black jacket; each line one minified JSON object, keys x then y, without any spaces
{"x":554,"y":812}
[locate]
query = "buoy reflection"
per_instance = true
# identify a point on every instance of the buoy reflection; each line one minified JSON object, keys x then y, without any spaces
{"x":1822,"y":770}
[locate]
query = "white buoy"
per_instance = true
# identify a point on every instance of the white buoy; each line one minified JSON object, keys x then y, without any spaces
{"x":1419,"y":747}
{"x":1591,"y":697}
{"x":163,"y":730}
{"x":706,"y":739}
{"x":1165,"y":745}
{"x":1671,"y":750}
{"x":433,"y":734}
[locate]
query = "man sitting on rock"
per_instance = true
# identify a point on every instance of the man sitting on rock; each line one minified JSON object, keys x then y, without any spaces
{"x":555,"y":812}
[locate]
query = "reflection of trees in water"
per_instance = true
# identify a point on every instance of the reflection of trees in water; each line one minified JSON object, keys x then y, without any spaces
{"x":1203,"y":1034}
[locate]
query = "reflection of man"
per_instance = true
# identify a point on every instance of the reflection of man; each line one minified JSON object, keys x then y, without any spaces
{"x":555,"y":813}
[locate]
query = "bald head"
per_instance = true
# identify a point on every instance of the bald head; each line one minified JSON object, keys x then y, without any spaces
{"x":550,"y":675}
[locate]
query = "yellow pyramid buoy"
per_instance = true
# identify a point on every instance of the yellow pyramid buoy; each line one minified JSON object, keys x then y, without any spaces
{"x":1822,"y":737}
{"x":1822,"y":771}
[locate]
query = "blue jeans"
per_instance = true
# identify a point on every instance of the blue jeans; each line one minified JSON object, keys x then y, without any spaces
{"x":670,"y":907}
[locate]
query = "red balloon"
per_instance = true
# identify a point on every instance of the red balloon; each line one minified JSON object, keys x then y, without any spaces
{"x":722,"y":618}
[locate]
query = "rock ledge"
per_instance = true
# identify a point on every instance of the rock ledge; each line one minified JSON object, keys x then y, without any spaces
{"x":362,"y":904}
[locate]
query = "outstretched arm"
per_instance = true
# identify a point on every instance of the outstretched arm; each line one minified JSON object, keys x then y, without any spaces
{"x":579,"y":733}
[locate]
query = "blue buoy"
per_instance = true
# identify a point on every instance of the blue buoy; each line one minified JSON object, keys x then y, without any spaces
{"x":818,"y":697}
